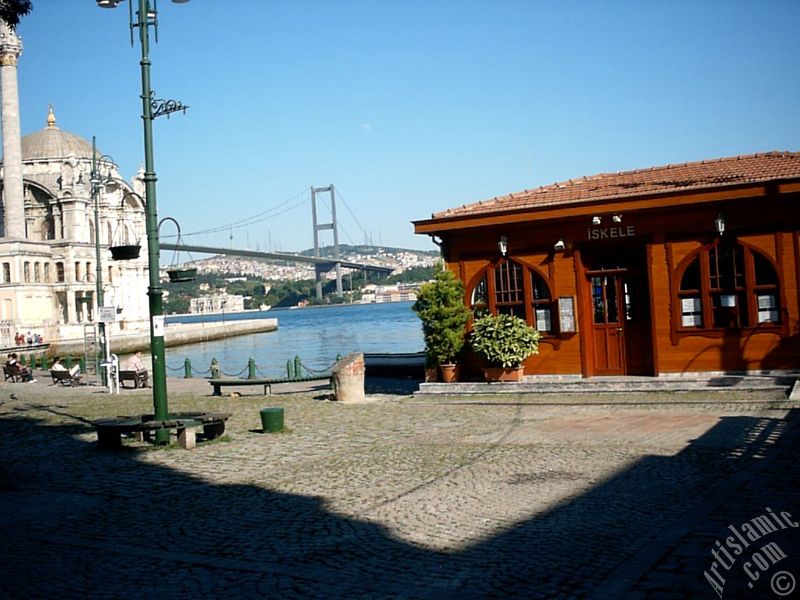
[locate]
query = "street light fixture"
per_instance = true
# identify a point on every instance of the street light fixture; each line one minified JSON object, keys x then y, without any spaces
{"x":152,"y":108}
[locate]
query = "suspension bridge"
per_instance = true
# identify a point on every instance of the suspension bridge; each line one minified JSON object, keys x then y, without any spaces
{"x":321,"y":264}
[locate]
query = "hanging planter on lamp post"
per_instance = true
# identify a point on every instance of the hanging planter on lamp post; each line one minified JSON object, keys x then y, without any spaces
{"x":181,"y":275}
{"x":121,"y":248}
{"x":175,"y":273}
{"x":125,"y":252}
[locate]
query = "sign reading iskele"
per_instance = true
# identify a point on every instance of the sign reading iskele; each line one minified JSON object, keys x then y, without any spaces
{"x":610,"y":233}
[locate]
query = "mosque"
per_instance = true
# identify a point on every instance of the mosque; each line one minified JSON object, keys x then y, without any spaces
{"x":48,"y":228}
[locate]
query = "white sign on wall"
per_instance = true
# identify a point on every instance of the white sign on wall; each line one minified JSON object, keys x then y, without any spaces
{"x":107,"y":314}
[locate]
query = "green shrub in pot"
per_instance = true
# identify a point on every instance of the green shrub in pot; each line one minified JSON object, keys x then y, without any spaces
{"x":440,"y":307}
{"x":504,"y":340}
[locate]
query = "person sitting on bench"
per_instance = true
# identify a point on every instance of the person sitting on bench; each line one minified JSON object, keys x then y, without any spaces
{"x":74,"y":372}
{"x":24,"y":372}
{"x":135,"y":364}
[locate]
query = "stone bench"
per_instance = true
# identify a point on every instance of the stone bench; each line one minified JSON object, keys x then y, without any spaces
{"x":218,"y":384}
{"x":109,"y":431}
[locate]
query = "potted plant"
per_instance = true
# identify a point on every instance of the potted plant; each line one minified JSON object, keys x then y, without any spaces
{"x":440,"y":307}
{"x":505,"y":341}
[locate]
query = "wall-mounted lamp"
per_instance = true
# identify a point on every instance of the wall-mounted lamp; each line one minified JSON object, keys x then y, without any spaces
{"x":596,"y":220}
{"x":503,"y":245}
{"x":617,"y":218}
{"x":719,"y":224}
{"x":559,"y":245}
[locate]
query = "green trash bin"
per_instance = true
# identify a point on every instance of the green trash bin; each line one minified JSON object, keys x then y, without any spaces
{"x":272,"y":419}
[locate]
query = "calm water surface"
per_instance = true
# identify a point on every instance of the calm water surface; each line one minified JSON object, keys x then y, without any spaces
{"x":315,"y":334}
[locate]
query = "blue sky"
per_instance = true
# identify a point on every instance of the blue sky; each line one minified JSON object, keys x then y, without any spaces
{"x":409,"y":107}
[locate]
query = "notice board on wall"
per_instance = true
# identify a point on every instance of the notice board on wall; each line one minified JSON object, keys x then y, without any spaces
{"x":566,"y":315}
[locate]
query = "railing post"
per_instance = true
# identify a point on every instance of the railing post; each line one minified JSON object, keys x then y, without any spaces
{"x":187,"y":368}
{"x":251,"y":368}
{"x":298,"y":366}
{"x":289,"y":370}
{"x":214,"y":369}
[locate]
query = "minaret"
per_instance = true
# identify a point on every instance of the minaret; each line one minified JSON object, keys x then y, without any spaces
{"x":10,"y":49}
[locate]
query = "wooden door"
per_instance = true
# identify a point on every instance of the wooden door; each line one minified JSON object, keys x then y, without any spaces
{"x":608,"y":330}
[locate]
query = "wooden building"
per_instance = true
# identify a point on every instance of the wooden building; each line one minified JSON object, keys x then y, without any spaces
{"x":675,"y":269}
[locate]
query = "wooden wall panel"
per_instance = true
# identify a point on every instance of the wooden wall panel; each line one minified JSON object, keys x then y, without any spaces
{"x":746,"y":351}
{"x":660,"y":312}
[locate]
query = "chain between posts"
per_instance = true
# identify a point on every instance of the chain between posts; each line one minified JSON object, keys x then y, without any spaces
{"x":294,"y":369}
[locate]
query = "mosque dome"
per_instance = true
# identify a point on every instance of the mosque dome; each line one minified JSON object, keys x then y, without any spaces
{"x":53,"y":143}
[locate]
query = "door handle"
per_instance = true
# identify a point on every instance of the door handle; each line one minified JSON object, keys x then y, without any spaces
{"x":619,"y":328}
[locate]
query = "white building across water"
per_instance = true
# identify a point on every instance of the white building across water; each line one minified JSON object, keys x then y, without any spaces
{"x":48,"y":265}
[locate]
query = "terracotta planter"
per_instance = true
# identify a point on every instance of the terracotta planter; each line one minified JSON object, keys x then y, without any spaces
{"x":449,"y":372}
{"x":502,"y":374}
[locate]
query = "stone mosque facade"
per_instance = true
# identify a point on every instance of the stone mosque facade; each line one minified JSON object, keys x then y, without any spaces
{"x":48,"y":236}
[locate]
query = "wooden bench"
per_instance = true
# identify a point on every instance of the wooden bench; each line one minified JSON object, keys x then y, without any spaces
{"x":218,"y":384}
{"x":65,"y":378}
{"x":139,"y":378}
{"x":109,"y":431}
{"x":12,"y":373}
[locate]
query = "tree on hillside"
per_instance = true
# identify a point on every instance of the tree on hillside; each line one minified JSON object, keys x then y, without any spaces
{"x":11,"y":11}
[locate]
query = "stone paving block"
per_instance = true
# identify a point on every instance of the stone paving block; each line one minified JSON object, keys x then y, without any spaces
{"x":395,"y":498}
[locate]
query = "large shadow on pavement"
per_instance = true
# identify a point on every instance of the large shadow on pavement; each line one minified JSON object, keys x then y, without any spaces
{"x":76,"y":522}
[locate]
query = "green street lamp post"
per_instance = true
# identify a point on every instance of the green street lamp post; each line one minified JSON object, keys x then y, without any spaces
{"x":152,"y":108}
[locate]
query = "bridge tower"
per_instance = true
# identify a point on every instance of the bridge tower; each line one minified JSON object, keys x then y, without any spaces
{"x":320,"y":269}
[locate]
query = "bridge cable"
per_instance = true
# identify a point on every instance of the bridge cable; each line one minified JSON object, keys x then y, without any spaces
{"x":257,"y":218}
{"x":347,"y":206}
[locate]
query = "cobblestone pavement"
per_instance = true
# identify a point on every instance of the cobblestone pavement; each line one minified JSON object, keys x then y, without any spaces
{"x":396,"y":497}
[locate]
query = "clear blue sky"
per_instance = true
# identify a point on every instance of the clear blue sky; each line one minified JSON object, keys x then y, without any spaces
{"x":410,"y":107}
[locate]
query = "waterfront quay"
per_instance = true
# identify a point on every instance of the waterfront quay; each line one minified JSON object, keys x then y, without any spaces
{"x":177,"y":334}
{"x":402,"y":496}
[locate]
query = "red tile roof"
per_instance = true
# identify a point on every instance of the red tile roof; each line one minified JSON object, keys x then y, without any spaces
{"x":753,"y":168}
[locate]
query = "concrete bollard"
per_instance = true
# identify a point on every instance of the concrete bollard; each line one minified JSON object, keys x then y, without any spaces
{"x":214,"y":369}
{"x":347,"y":378}
{"x":251,"y":368}
{"x":187,"y":368}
